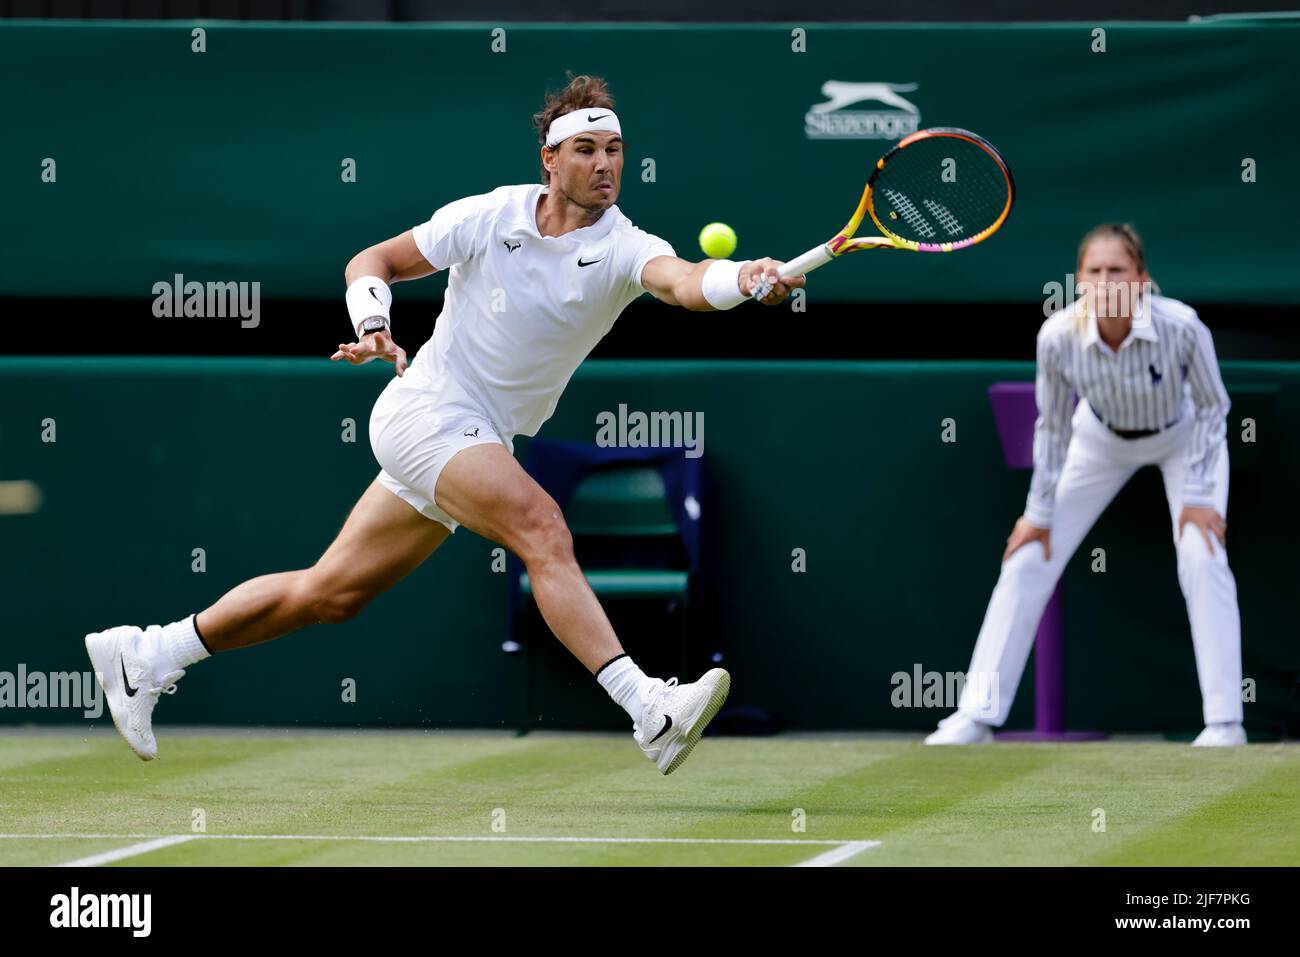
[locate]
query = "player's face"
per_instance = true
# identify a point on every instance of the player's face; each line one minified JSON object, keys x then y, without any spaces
{"x":1109,"y":277}
{"x":589,"y":169}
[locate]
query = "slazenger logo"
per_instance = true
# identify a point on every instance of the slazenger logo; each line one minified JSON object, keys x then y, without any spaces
{"x":75,"y":909}
{"x":832,"y":121}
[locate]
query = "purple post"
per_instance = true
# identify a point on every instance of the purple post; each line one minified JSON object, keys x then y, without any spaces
{"x":1049,"y":668}
{"x":1015,"y":410}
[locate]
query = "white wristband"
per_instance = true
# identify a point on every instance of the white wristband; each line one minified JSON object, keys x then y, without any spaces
{"x":368,"y":296}
{"x":721,"y":284}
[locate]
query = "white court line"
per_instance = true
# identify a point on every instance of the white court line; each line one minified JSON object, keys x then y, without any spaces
{"x":109,"y":857}
{"x":840,"y":850}
{"x":841,"y":853}
{"x":431,"y":838}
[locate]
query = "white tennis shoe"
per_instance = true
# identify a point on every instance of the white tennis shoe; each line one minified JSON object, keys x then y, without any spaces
{"x":1224,"y":734}
{"x":130,"y":685}
{"x":959,"y":729}
{"x":674,"y":716}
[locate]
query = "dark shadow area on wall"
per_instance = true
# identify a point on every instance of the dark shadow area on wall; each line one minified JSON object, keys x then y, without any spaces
{"x":646,"y":330}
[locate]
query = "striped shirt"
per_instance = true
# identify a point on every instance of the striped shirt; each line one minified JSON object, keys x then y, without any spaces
{"x":1164,"y":370}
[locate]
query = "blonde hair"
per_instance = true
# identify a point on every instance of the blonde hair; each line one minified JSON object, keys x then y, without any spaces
{"x":1132,"y":243}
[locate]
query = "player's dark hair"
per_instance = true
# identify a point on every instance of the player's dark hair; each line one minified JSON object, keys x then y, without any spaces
{"x":583,"y":92}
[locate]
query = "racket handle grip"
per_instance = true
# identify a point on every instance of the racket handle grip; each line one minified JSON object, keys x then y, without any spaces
{"x":806,"y":263}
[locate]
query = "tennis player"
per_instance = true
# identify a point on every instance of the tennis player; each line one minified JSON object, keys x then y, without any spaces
{"x":1149,"y":394}
{"x":538,"y":274}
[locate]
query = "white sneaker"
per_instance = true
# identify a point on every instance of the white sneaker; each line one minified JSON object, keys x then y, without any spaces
{"x":959,"y":729}
{"x":130,"y":687}
{"x":674,"y":717}
{"x":1224,"y":734}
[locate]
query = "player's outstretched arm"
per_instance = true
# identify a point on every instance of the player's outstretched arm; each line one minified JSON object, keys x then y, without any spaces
{"x":681,"y":283}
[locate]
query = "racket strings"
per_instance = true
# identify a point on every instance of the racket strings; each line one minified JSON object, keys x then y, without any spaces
{"x":939,"y":190}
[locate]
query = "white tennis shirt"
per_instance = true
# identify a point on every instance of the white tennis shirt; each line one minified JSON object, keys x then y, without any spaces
{"x":522,"y":310}
{"x":1163,"y":371}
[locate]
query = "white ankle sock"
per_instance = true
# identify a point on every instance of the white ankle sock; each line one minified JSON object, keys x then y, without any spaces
{"x":624,"y":681}
{"x":177,"y":647}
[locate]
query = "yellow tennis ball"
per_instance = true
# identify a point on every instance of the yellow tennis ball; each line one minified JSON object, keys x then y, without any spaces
{"x":718,"y":240}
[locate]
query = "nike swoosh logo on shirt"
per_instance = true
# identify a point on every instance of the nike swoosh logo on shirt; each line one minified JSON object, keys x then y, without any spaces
{"x":592,"y":263}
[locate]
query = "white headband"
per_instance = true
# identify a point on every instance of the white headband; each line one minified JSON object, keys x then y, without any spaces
{"x":581,"y":121}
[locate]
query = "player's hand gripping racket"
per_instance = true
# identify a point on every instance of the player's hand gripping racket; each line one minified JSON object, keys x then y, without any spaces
{"x":938,"y":190}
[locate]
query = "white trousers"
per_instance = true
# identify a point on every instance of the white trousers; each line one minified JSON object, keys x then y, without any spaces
{"x":1097,"y":465}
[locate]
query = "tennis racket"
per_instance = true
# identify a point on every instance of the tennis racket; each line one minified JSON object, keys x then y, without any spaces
{"x":937,"y":191}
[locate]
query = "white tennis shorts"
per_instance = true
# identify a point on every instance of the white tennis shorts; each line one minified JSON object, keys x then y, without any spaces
{"x":415,"y":430}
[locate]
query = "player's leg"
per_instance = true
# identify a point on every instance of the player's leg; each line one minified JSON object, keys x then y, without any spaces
{"x":487,"y":491}
{"x":1089,"y":481}
{"x":1210,"y":590}
{"x":382,"y":541}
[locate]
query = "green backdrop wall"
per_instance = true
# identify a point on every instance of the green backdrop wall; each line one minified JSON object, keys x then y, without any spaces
{"x":226,"y":165}
{"x":902,"y":532}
